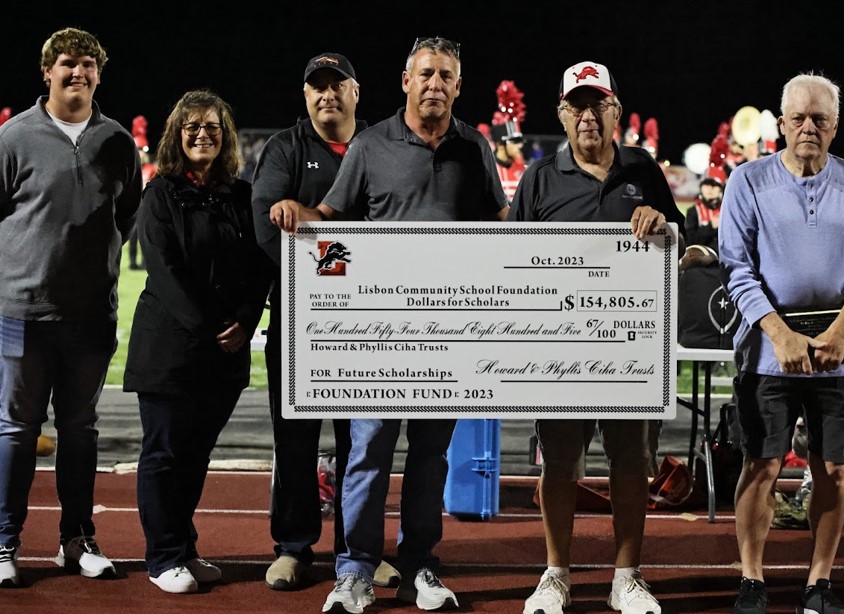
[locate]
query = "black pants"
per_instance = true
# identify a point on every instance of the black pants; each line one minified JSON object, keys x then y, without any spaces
{"x":180,"y":432}
{"x":295,"y":512}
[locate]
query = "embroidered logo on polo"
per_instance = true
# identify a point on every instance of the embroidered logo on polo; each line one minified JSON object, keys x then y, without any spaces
{"x":633,"y":192}
{"x":313,"y":164}
{"x":332,"y":259}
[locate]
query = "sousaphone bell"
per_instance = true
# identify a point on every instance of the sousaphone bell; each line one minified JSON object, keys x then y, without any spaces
{"x":746,"y":127}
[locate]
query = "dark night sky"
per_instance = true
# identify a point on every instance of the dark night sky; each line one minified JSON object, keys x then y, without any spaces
{"x":691,"y":65}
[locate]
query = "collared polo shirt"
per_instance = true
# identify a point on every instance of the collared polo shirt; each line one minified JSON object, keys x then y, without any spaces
{"x":555,"y":189}
{"x":391,"y":174}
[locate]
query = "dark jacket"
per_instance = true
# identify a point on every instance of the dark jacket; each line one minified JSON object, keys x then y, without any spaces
{"x":205,"y":270}
{"x":295,"y":163}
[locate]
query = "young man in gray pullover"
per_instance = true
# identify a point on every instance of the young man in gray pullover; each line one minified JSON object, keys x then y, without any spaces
{"x":70,"y":185}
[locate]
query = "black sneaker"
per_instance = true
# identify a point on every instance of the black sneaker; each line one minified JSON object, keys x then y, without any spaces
{"x":818,"y":598}
{"x":752,"y":597}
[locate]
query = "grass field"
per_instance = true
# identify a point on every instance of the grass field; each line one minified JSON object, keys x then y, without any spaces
{"x":132,"y":282}
{"x":129,"y":288}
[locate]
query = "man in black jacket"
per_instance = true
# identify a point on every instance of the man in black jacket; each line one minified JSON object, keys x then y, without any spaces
{"x":299,"y":164}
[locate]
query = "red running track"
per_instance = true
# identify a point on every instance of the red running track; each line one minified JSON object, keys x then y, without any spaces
{"x":492,"y":565}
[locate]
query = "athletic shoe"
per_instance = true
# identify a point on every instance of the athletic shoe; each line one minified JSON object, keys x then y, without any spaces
{"x":176,"y":580}
{"x":632,"y":595}
{"x":426,"y":590}
{"x":351,"y":594}
{"x":550,"y":597}
{"x":386,"y":575}
{"x":82,"y":554}
{"x":8,"y":567}
{"x":203,"y":571}
{"x":752,"y":597}
{"x":285,"y":573}
{"x":818,"y":598}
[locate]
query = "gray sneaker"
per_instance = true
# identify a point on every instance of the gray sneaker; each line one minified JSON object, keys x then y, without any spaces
{"x":426,"y":590}
{"x":8,"y":567}
{"x":83,"y":555}
{"x":351,"y":594}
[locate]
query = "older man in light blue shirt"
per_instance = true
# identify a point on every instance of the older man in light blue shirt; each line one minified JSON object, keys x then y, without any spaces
{"x":781,"y":243}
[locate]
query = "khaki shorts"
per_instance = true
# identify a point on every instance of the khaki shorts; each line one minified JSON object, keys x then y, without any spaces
{"x":630,"y":446}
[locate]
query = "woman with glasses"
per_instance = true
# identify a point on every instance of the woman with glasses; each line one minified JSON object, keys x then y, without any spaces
{"x":189,"y":350}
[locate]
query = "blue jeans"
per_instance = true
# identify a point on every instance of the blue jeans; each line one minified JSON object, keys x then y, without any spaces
{"x":365,"y":494}
{"x":64,"y":363}
{"x":180,"y":432}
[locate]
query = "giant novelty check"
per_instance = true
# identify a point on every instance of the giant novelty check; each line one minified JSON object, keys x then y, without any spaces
{"x":478,"y":320}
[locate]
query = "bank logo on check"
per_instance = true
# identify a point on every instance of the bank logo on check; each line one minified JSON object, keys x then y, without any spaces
{"x":332,"y":259}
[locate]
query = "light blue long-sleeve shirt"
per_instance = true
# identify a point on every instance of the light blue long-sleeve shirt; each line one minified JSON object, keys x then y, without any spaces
{"x":781,"y":244}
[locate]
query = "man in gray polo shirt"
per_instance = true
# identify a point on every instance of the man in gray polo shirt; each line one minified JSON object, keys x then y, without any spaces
{"x":422,"y":164}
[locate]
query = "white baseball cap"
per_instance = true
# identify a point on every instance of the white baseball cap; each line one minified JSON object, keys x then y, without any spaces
{"x":588,"y":74}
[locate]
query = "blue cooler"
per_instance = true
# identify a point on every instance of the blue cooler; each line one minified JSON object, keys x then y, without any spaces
{"x":471,"y":488}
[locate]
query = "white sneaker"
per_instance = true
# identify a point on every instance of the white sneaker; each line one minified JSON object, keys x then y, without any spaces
{"x":550,"y":596}
{"x":633,"y":596}
{"x":82,"y":554}
{"x":351,"y":594}
{"x":176,"y":580}
{"x":426,"y":590}
{"x":8,"y":567}
{"x":203,"y":571}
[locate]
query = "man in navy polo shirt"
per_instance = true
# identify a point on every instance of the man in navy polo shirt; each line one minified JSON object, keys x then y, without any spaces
{"x":593,"y":179}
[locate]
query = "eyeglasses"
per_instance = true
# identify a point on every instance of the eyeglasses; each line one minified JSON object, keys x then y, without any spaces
{"x":436,"y":43}
{"x":598,"y":108}
{"x":210,"y":129}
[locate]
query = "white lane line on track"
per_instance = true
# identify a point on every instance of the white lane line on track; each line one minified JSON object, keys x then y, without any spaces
{"x":100,"y":509}
{"x":452,"y":565}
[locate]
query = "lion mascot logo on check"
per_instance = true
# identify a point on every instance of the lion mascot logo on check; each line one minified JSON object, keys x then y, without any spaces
{"x":333,"y":257}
